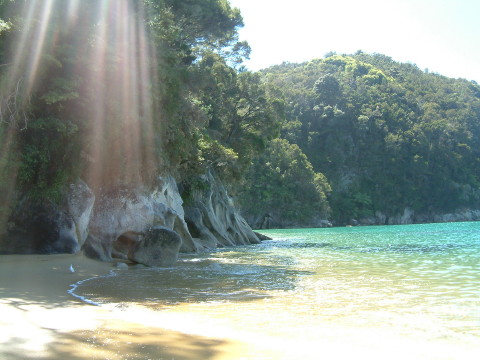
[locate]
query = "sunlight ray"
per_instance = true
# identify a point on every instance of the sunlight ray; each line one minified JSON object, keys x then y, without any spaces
{"x":96,"y":79}
{"x":39,"y":44}
{"x":118,"y":79}
{"x":122,"y":110}
{"x":22,"y":47}
{"x":73,"y":6}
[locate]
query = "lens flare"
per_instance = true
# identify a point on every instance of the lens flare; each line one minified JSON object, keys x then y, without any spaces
{"x":115,"y":71}
{"x":103,"y":48}
{"x":121,"y":79}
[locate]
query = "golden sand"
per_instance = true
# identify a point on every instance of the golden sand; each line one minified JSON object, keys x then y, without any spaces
{"x":39,"y":319}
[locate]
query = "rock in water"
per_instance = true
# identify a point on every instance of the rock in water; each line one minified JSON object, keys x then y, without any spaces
{"x":158,"y":247}
{"x":262,"y":236}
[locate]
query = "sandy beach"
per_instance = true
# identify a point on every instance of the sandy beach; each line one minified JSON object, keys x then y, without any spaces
{"x":41,"y":320}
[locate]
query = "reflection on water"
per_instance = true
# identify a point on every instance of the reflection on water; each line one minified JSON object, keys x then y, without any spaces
{"x":410,"y":284}
{"x":207,"y":279}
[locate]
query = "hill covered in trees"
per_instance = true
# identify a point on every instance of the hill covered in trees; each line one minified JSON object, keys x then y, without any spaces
{"x":385,"y":135}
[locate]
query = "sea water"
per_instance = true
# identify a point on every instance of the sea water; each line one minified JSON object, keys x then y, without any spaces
{"x":397,"y":292}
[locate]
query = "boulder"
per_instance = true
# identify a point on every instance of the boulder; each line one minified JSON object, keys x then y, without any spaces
{"x":97,"y":248}
{"x":158,"y":247}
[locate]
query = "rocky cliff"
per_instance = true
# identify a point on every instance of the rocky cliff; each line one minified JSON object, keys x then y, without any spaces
{"x":273,"y":221}
{"x":409,"y":216}
{"x":137,"y":224}
{"x":213,"y":218}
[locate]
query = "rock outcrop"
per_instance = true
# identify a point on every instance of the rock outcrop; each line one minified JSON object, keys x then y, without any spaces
{"x":129,"y":213}
{"x":80,"y":201}
{"x":409,"y":216}
{"x":132,"y":224}
{"x":49,"y":228}
{"x":406,"y":218}
{"x":40,"y":229}
{"x":460,"y":215}
{"x":213,"y":219}
{"x":272,"y":221}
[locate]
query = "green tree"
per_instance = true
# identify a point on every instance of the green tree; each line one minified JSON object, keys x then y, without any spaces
{"x":242,"y":116}
{"x":282,"y":183}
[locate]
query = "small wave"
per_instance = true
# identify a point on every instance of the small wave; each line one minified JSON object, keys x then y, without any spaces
{"x":74,"y":287}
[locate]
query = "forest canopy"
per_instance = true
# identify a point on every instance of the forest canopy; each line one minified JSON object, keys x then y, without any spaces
{"x":387,"y":135}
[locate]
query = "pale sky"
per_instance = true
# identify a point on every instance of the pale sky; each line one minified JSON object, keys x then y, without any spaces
{"x":441,"y":35}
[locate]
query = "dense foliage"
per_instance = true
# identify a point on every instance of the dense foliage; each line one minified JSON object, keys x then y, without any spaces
{"x":386,"y":135}
{"x":282,"y":184}
{"x":119,"y":92}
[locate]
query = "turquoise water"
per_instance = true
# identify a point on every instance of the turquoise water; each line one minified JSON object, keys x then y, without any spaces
{"x":367,"y":289}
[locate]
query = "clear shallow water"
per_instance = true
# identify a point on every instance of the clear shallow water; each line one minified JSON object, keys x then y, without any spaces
{"x":413,"y":287}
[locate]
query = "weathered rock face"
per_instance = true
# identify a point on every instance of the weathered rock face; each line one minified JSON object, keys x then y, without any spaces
{"x":122,"y":224}
{"x":460,"y":215}
{"x":169,"y":195}
{"x":271,"y":221}
{"x":80,"y":201}
{"x":411,"y":217}
{"x":47,"y":228}
{"x":403,"y":219}
{"x":133,"y":224}
{"x":40,"y":229}
{"x":213,"y":219}
{"x":129,"y":213}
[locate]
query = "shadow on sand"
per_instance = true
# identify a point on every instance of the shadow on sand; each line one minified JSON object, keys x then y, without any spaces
{"x":130,"y":342}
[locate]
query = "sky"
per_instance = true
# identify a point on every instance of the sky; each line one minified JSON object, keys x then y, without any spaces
{"x":442,"y":36}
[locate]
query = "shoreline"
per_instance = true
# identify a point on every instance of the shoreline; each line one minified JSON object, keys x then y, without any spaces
{"x":42,"y":320}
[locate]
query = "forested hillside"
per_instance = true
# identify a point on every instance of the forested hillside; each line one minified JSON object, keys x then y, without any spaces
{"x":386,"y":135}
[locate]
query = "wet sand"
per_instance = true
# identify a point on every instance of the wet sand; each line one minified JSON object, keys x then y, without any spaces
{"x":39,"y":319}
